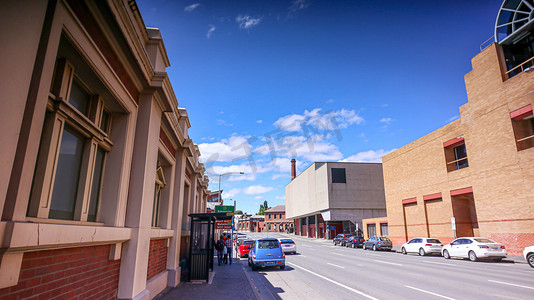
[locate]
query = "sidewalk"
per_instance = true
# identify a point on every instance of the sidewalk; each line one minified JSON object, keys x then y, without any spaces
{"x":227,"y":282}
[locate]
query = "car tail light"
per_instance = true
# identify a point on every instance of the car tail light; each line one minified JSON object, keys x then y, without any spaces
{"x":441,"y":245}
{"x":379,"y":242}
{"x":278,"y":262}
{"x":502,"y":247}
{"x":254,"y":256}
{"x":293,"y":243}
{"x":483,"y":247}
{"x":428,"y":245}
{"x":283,"y":255}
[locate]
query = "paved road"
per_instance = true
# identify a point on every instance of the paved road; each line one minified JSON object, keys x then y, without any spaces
{"x":323,"y":271}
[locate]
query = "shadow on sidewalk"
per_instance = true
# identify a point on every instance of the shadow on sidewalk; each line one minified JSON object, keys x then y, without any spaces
{"x":229,"y":282}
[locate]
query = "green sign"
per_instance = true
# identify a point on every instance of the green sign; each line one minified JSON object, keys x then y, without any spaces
{"x":224,"y":208}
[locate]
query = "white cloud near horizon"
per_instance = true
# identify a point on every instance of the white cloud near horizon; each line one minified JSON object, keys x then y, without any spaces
{"x":453,"y":118}
{"x":332,"y":120}
{"x":191,"y":7}
{"x":257,"y":189}
{"x":234,"y":148}
{"x":297,"y":5}
{"x":210,"y":31}
{"x":259,"y":121}
{"x":247,"y":22}
{"x":368,"y":156}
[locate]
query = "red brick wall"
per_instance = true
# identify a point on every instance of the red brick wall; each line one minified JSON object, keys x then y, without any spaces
{"x":73,"y":273}
{"x":514,"y":242}
{"x":157,"y":258}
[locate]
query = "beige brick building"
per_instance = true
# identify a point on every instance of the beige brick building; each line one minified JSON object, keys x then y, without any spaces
{"x":478,"y":169}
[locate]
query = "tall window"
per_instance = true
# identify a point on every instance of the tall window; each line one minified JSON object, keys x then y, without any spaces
{"x":338,"y":175}
{"x":74,"y":144}
{"x":523,"y":125}
{"x":371,"y":230}
{"x":160,"y":184}
{"x":384,"y":229}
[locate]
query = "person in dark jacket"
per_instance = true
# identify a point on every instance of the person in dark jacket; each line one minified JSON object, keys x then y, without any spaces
{"x":220,"y":246}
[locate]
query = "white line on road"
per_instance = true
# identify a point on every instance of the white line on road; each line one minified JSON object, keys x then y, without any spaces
{"x":438,"y":263}
{"x":338,"y":254}
{"x":335,"y":265}
{"x":335,"y":282}
{"x":306,"y":245}
{"x":411,"y":287}
{"x":527,"y":287}
{"x":328,"y":246}
{"x":387,"y":262}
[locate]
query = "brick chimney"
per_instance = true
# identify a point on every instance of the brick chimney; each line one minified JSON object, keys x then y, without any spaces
{"x":293,"y":169}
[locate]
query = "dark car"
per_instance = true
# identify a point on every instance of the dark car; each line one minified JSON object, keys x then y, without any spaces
{"x":355,"y":242}
{"x":341,"y":239}
{"x":378,"y":243}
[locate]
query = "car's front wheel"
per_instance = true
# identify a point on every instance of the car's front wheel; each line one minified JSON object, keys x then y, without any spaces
{"x":422,"y":252}
{"x":403,"y":250}
{"x":363,"y":247}
{"x":530,"y":259}
{"x":446,"y":254}
{"x":374,"y":247}
{"x":472,"y":256}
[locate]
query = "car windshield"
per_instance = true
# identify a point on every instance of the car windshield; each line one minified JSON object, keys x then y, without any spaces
{"x":484,"y":241}
{"x":385,"y":239}
{"x":268,"y":244}
{"x":434,"y":241}
{"x":248,"y":242}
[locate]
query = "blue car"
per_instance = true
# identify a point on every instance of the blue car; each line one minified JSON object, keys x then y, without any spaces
{"x":266,"y":253}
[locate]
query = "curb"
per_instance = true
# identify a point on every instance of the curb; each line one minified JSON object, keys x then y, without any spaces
{"x":251,"y":282}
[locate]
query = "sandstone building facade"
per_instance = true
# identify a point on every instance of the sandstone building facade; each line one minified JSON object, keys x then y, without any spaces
{"x":98,"y":173}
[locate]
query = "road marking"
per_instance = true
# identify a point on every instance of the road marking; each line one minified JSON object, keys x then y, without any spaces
{"x":438,"y":263}
{"x":306,"y":245}
{"x":526,"y":287}
{"x":335,"y":282}
{"x":335,"y":265}
{"x":387,"y":262}
{"x":302,"y":256}
{"x":438,"y":295}
{"x":338,"y":254}
{"x":329,"y":246}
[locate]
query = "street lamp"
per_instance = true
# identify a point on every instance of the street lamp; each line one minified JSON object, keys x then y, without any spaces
{"x":221,"y":175}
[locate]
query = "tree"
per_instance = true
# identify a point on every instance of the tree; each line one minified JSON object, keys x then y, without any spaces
{"x":263,"y":208}
{"x":238,"y":212}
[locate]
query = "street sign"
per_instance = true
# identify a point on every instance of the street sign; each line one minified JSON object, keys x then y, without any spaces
{"x":453,"y":222}
{"x":224,"y":208}
{"x":223,"y":224}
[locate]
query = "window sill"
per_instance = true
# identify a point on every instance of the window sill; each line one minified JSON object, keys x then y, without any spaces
{"x":63,"y":222}
{"x":26,"y":236}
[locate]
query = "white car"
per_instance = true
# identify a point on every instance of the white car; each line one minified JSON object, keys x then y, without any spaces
{"x":528,"y":253}
{"x":288,"y":246}
{"x":474,"y":248}
{"x":423,"y":246}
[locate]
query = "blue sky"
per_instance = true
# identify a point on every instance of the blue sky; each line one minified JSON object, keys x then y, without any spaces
{"x":341,"y":80}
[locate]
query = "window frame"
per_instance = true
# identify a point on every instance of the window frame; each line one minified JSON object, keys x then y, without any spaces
{"x":60,"y":115}
{"x":452,"y":160}
{"x":339,"y":179}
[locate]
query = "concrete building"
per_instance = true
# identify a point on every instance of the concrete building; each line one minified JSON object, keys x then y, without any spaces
{"x":330,"y":198}
{"x":275,"y":220}
{"x":98,"y":173}
{"x":478,"y":171}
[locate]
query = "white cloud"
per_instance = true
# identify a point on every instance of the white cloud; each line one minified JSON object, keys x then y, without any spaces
{"x":453,"y":118}
{"x":386,"y":120}
{"x":259,"y":121}
{"x":258,"y":197}
{"x":191,"y":7}
{"x":234,"y":148}
{"x":230,"y":193}
{"x":276,"y":176}
{"x":247,"y":22}
{"x":223,"y":122}
{"x":330,"y":101}
{"x":368,"y":156}
{"x":257,"y":189}
{"x":280,"y":197}
{"x":332,"y":120}
{"x":210,"y":31}
{"x":297,"y":5}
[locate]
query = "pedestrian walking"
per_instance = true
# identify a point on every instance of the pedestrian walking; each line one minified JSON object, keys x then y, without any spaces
{"x":220,"y":247}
